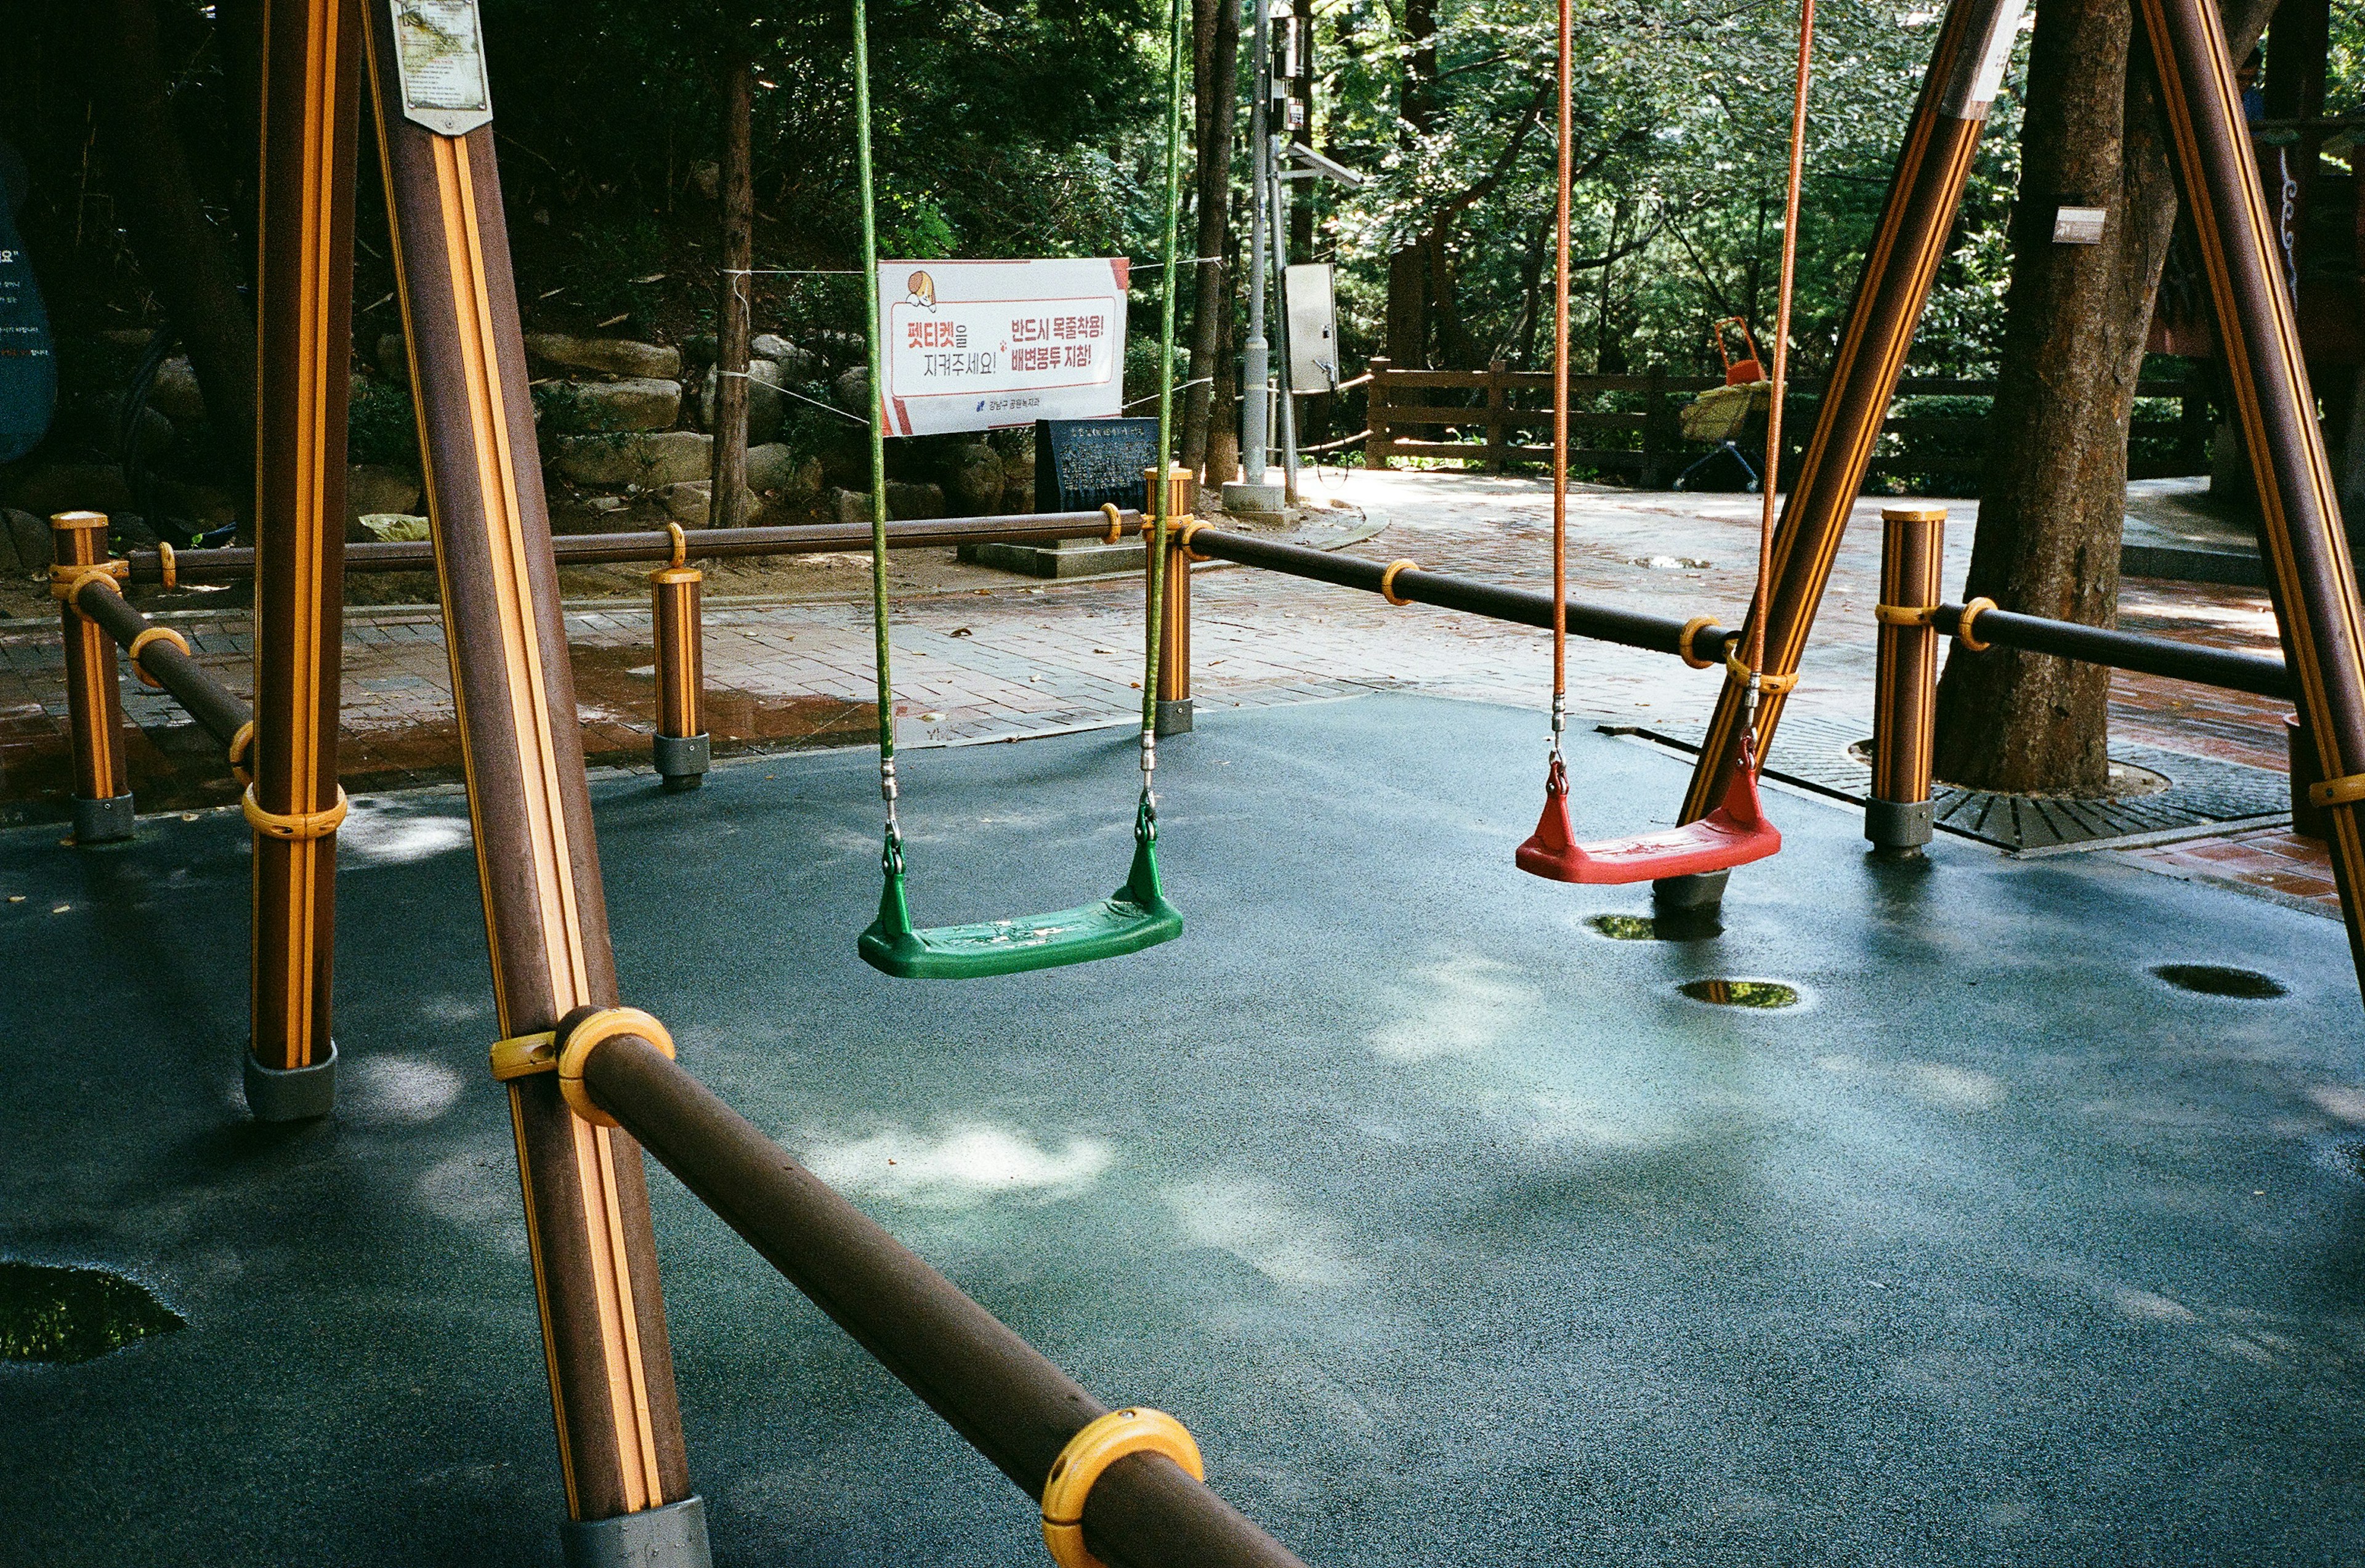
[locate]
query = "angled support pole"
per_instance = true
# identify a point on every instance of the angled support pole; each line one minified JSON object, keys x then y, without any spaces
{"x":310,"y":115}
{"x":1966,"y":70}
{"x":595,"y":1272}
{"x":2309,"y":572}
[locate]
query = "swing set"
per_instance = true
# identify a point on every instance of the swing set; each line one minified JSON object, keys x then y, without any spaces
{"x":1137,"y":915}
{"x":1737,"y":831}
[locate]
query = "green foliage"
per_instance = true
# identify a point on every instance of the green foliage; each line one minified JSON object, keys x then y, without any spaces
{"x":380,"y":426}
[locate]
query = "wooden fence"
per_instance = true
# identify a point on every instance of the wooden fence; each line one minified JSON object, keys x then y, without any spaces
{"x":1631,"y":425}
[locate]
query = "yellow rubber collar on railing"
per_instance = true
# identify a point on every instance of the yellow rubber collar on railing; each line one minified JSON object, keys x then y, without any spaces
{"x":2343,"y":792}
{"x":1767,"y":681}
{"x":523,"y":1055}
{"x":1182,"y":537}
{"x":240,"y":745}
{"x":1971,"y":612}
{"x":1388,"y":580}
{"x":1101,"y":1444}
{"x":66,"y":582}
{"x":1115,"y":523}
{"x":1684,"y":642}
{"x":296,"y":827}
{"x":154,"y":634}
{"x":1905,"y":614}
{"x":681,"y":544}
{"x":168,"y":566}
{"x":586,"y":1035}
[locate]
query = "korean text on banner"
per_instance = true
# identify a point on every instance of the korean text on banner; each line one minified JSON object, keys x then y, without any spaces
{"x":980,"y":346}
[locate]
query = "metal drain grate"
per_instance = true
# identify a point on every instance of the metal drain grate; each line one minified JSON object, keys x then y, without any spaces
{"x":1813,"y":752}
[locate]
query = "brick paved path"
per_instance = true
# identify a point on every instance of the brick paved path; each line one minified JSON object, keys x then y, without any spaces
{"x":1020,"y":659}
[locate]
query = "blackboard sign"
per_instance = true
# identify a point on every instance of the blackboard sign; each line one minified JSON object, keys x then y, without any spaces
{"x":1082,"y":464}
{"x":29,"y":367}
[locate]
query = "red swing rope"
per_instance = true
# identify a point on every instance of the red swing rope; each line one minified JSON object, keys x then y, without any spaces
{"x":1760,"y":594}
{"x":1562,"y":180}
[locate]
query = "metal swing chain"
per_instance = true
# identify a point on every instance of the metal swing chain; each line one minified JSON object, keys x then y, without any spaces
{"x":891,"y":856}
{"x":1145,"y":825}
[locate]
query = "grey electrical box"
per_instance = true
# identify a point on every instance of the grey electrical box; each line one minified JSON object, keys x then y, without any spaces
{"x":1305,"y":291}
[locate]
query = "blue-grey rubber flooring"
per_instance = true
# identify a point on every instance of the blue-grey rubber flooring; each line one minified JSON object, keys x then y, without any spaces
{"x":1454,"y":1231}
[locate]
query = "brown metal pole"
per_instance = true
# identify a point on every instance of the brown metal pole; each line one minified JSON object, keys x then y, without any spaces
{"x":310,"y":94}
{"x":619,"y":1425}
{"x":1175,"y":705}
{"x":682,"y":750}
{"x":1896,"y":815}
{"x":1009,"y":1401}
{"x":2309,"y":571}
{"x":101,"y":793}
{"x":1966,"y":69}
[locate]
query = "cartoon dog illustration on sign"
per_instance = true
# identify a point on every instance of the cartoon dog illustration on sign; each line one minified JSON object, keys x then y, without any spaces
{"x":920,"y":289}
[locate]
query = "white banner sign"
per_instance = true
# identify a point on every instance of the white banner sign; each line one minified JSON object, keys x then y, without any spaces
{"x":979,"y":345}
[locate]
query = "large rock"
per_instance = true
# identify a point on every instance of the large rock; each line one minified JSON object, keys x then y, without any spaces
{"x":652,"y":461}
{"x":973,"y":480}
{"x":767,"y":405}
{"x":393,"y":358}
{"x":851,"y":391}
{"x":72,"y":486}
{"x":796,"y":364}
{"x":26,"y":541}
{"x":903,"y":502}
{"x":174,"y":392}
{"x":616,"y":356}
{"x":204,"y":505}
{"x":373,"y":489}
{"x":776,"y":468}
{"x":634,"y":403}
{"x":691,"y":503}
{"x":155,"y":430}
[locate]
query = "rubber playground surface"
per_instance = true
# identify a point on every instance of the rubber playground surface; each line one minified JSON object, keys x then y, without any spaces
{"x":1452,"y":1227}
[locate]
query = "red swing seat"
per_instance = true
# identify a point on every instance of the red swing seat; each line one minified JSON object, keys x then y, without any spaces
{"x":1734,"y":834}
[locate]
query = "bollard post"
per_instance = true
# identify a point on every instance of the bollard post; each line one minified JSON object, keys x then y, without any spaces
{"x":682,"y":750}
{"x":1897,"y":815}
{"x":1175,"y":615}
{"x":102,"y":794}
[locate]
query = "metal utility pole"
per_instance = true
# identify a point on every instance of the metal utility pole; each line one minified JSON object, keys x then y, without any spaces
{"x":1251,"y":493}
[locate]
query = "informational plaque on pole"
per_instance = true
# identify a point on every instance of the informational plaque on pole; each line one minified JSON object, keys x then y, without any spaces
{"x":439,"y":54}
{"x":1083,"y":465}
{"x":984,"y":345}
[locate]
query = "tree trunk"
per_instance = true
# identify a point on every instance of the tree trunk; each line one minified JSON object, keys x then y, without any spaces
{"x":727,"y":505}
{"x":2054,"y":497}
{"x":1215,"y":75}
{"x":182,"y":256}
{"x":1408,"y":281}
{"x":1224,"y":414}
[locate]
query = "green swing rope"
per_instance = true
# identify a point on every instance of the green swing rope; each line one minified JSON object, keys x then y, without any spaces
{"x":1145,"y":815}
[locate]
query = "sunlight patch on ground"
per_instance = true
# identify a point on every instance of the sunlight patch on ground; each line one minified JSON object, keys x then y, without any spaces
{"x":400,"y":1088}
{"x":1255,"y":1223}
{"x":2339,"y":1099}
{"x":967,"y":1163}
{"x":374,"y":835}
{"x":1461,"y":1007}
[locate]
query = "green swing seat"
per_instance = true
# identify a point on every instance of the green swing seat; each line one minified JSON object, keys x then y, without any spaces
{"x":1135,"y":916}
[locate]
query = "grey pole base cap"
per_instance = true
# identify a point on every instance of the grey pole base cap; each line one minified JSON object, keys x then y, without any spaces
{"x":1899,"y":824}
{"x":670,"y":1537}
{"x":1690,"y":907}
{"x":102,"y":821}
{"x":292,"y":1093}
{"x":680,"y":757}
{"x":1175,"y":718}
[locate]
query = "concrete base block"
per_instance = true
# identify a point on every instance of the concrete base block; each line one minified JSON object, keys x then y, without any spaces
{"x":1065,"y":558}
{"x":670,"y":1537}
{"x":682,"y":760}
{"x":1899,"y":826}
{"x":1689,"y":906}
{"x":102,"y":821}
{"x":1175,"y":718}
{"x":292,"y":1094}
{"x":1262,"y":500}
